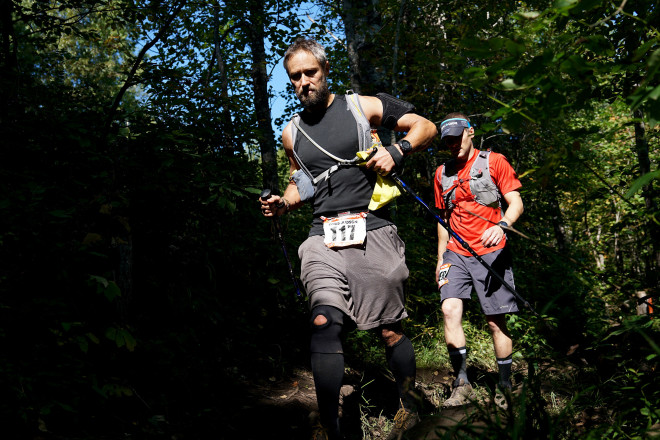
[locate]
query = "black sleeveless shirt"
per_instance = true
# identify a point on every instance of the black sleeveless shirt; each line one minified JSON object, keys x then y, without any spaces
{"x":348,"y":189}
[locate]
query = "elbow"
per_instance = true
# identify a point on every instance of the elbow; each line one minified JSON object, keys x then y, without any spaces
{"x":433,"y":129}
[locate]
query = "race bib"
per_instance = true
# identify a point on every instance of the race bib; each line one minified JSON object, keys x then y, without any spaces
{"x":442,"y":276}
{"x":345,"y":230}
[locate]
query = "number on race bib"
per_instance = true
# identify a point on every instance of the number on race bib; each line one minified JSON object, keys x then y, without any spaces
{"x":346,"y":230}
{"x":442,"y":276}
{"x":343,"y":232}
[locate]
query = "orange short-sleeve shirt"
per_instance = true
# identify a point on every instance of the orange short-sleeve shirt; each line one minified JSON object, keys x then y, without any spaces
{"x":463,"y":221}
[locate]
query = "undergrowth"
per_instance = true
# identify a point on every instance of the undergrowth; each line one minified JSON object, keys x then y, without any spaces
{"x":606,"y":389}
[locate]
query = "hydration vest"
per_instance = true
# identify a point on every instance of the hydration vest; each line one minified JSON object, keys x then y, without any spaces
{"x":483,"y":189}
{"x":364,"y":139}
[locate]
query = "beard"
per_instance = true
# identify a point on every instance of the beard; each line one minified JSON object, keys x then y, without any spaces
{"x":319,"y":97}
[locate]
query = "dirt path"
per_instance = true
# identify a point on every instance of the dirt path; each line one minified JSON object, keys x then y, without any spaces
{"x":281,"y":409}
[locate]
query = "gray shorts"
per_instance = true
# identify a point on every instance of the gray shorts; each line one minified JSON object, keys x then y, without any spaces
{"x":466,"y":273}
{"x":366,"y":283}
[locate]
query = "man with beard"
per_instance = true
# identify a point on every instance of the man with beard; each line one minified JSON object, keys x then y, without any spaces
{"x":353,"y":280}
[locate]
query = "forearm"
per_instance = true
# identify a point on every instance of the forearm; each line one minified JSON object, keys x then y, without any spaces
{"x":514,"y":209}
{"x":443,"y":239}
{"x":419,"y":131}
{"x":290,"y":199}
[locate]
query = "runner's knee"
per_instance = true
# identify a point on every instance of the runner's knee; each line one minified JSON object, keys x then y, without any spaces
{"x":452,"y":308}
{"x":497,"y":324}
{"x":390,"y":334}
{"x":327,"y":323}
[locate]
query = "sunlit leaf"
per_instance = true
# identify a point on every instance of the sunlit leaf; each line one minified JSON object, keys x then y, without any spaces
{"x":641,"y":182}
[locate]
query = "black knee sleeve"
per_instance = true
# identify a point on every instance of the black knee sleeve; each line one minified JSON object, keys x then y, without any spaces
{"x":326,"y":338}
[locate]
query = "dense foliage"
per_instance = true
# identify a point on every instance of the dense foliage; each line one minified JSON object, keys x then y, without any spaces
{"x":141,"y":288}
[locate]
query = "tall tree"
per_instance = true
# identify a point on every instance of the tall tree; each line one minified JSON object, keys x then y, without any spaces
{"x":264,"y":135}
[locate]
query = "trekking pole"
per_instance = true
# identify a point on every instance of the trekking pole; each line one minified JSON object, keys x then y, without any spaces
{"x":265,"y":195}
{"x":463,"y":243}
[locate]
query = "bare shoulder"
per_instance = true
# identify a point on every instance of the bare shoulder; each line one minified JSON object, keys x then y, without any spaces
{"x":373,"y":108}
{"x":287,"y":136}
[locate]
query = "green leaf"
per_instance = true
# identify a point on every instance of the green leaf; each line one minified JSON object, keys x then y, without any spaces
{"x":99,"y":280}
{"x":112,"y":291}
{"x":535,"y":66}
{"x":639,"y":53}
{"x":642,"y":181}
{"x":530,"y":15}
{"x":653,"y":62}
{"x":122,"y":337}
{"x":253,"y":190}
{"x":488,"y":127}
{"x":92,"y":337}
{"x":476,"y":47}
{"x":60,"y":213}
{"x":128,"y":339}
{"x":509,"y":84}
{"x":514,"y":48}
{"x":565,"y":4}
{"x":65,"y":407}
{"x":83,"y":344}
{"x":643,"y":94}
{"x":111,"y":333}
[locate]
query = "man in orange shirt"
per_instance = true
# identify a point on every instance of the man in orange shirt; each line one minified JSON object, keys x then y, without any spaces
{"x":468,"y":191}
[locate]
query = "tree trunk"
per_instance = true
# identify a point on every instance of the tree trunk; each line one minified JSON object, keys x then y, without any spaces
{"x":226,"y":135}
{"x":9,"y":86}
{"x":354,"y":40}
{"x":557,"y":222}
{"x":652,"y":228}
{"x":362,"y":20}
{"x":265,"y":135}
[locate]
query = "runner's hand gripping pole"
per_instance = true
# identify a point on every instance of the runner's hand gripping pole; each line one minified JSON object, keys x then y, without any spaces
{"x":444,"y":224}
{"x":265,"y":195}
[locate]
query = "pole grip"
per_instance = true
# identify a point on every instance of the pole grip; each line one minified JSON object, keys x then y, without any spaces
{"x":265,"y":194}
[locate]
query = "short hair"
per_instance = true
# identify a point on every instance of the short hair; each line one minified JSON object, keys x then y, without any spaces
{"x":456,"y":115}
{"x":308,"y":45}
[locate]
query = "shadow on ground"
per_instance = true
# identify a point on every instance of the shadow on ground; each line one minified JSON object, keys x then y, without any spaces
{"x":369,"y":401}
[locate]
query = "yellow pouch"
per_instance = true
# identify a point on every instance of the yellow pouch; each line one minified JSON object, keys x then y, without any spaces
{"x":385,"y":190}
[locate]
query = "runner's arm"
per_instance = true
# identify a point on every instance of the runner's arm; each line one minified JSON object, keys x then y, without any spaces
{"x":443,"y":239}
{"x":493,"y":235}
{"x":419,"y":132}
{"x":515,"y":207}
{"x":290,"y":200}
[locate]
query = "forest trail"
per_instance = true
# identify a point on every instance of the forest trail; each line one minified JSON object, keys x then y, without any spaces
{"x":282,"y":408}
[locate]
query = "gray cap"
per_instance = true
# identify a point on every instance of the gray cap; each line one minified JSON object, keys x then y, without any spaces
{"x":453,"y":127}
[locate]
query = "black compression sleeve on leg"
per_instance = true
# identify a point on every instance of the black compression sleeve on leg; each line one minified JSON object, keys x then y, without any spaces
{"x":401,"y":360}
{"x":328,"y":364}
{"x":328,"y":371}
{"x":326,"y":338}
{"x":458,"y":359}
{"x":504,"y":367}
